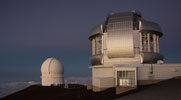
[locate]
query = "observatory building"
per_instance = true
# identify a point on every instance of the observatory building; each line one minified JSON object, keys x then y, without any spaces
{"x":126,"y":53}
{"x":52,"y":71}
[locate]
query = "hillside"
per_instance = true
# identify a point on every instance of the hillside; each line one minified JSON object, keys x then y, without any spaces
{"x":166,"y":90}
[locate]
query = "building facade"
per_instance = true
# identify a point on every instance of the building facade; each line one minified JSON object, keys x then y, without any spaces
{"x":126,"y":53}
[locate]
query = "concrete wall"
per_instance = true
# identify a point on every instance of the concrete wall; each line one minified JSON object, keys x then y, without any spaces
{"x":159,"y":71}
{"x":103,"y":77}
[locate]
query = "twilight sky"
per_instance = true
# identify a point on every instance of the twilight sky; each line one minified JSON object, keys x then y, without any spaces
{"x":32,"y":30}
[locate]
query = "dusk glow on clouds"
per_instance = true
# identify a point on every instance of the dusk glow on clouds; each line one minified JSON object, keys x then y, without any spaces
{"x":33,"y":30}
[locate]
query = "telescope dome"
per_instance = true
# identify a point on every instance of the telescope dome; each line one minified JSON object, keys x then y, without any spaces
{"x":52,"y":71}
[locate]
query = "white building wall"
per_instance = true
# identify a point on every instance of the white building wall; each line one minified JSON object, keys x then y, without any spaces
{"x":106,"y":76}
{"x":136,"y":39}
{"x":48,"y":80}
{"x":45,"y":81}
{"x":103,"y":77}
{"x":160,"y":71}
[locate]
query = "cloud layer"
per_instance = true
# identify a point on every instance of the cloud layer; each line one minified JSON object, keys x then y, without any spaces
{"x":7,"y":88}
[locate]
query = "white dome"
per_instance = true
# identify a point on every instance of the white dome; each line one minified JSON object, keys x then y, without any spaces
{"x":52,"y":71}
{"x":52,"y":66}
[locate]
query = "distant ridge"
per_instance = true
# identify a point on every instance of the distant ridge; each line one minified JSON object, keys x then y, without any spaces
{"x":166,"y":90}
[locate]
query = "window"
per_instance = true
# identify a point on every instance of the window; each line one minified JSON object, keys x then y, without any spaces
{"x":97,"y":45}
{"x":126,"y":78}
{"x":144,"y":42}
{"x":149,"y":42}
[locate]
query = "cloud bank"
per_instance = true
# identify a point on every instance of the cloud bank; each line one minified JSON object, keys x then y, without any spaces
{"x":7,"y":88}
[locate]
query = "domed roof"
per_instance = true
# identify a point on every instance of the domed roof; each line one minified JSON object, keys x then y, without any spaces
{"x":52,"y":66}
{"x":150,"y":26}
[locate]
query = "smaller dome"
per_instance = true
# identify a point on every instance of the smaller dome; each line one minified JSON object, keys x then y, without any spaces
{"x":52,"y":66}
{"x":52,"y":71}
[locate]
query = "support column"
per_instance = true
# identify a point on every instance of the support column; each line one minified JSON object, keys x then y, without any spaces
{"x":99,"y":43}
{"x":141,"y":42}
{"x":148,"y":38}
{"x":102,"y":44}
{"x":154,"y":43}
{"x":105,"y":45}
{"x":158,"y":44}
{"x":144,"y":40}
{"x":93,"y":46}
{"x":96,"y":45}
